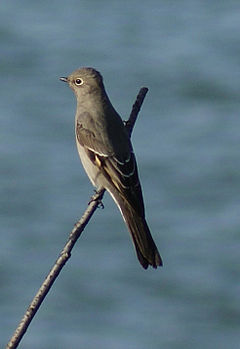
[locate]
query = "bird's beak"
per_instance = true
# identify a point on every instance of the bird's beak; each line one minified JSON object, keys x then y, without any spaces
{"x":64,"y":79}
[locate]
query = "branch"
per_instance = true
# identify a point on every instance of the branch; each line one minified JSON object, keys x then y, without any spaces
{"x":73,"y":237}
{"x":129,"y":124}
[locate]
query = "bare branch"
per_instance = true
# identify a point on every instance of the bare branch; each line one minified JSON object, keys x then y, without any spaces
{"x":73,"y":237}
{"x":129,"y":124}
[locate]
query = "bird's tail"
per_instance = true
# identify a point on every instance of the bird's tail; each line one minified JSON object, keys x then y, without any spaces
{"x":146,"y":249}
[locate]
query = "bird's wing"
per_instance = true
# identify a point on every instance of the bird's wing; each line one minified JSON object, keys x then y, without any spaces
{"x":120,"y":168}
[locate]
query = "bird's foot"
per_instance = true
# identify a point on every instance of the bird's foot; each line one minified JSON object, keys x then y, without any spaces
{"x":95,"y":197}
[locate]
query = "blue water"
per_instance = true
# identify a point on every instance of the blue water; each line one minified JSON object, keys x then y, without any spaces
{"x":187,"y":145}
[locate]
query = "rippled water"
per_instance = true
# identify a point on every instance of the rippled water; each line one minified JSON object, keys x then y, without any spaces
{"x":187,"y":145}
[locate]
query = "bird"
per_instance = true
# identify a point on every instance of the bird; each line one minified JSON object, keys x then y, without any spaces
{"x":107,"y":155}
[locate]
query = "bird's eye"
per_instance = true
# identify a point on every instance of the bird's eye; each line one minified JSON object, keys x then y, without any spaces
{"x":78,"y":82}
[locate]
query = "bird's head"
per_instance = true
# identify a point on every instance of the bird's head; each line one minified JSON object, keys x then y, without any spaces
{"x":84,"y":81}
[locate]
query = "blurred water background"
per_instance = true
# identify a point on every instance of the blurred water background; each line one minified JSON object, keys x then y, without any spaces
{"x":187,"y":145}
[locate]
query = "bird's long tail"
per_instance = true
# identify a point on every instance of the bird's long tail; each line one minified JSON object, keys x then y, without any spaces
{"x":146,"y":249}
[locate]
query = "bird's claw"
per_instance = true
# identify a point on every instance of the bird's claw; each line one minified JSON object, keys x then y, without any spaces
{"x":100,"y":204}
{"x":95,"y":198}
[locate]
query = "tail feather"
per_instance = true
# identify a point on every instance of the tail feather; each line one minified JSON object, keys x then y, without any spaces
{"x":146,"y":249}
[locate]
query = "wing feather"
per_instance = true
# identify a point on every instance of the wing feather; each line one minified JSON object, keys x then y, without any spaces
{"x":119,"y":171}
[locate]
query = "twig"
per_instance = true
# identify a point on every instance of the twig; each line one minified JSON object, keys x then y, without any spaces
{"x":74,"y":235}
{"x":129,"y":124}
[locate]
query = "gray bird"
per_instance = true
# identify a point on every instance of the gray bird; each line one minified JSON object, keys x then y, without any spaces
{"x":107,"y":156}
